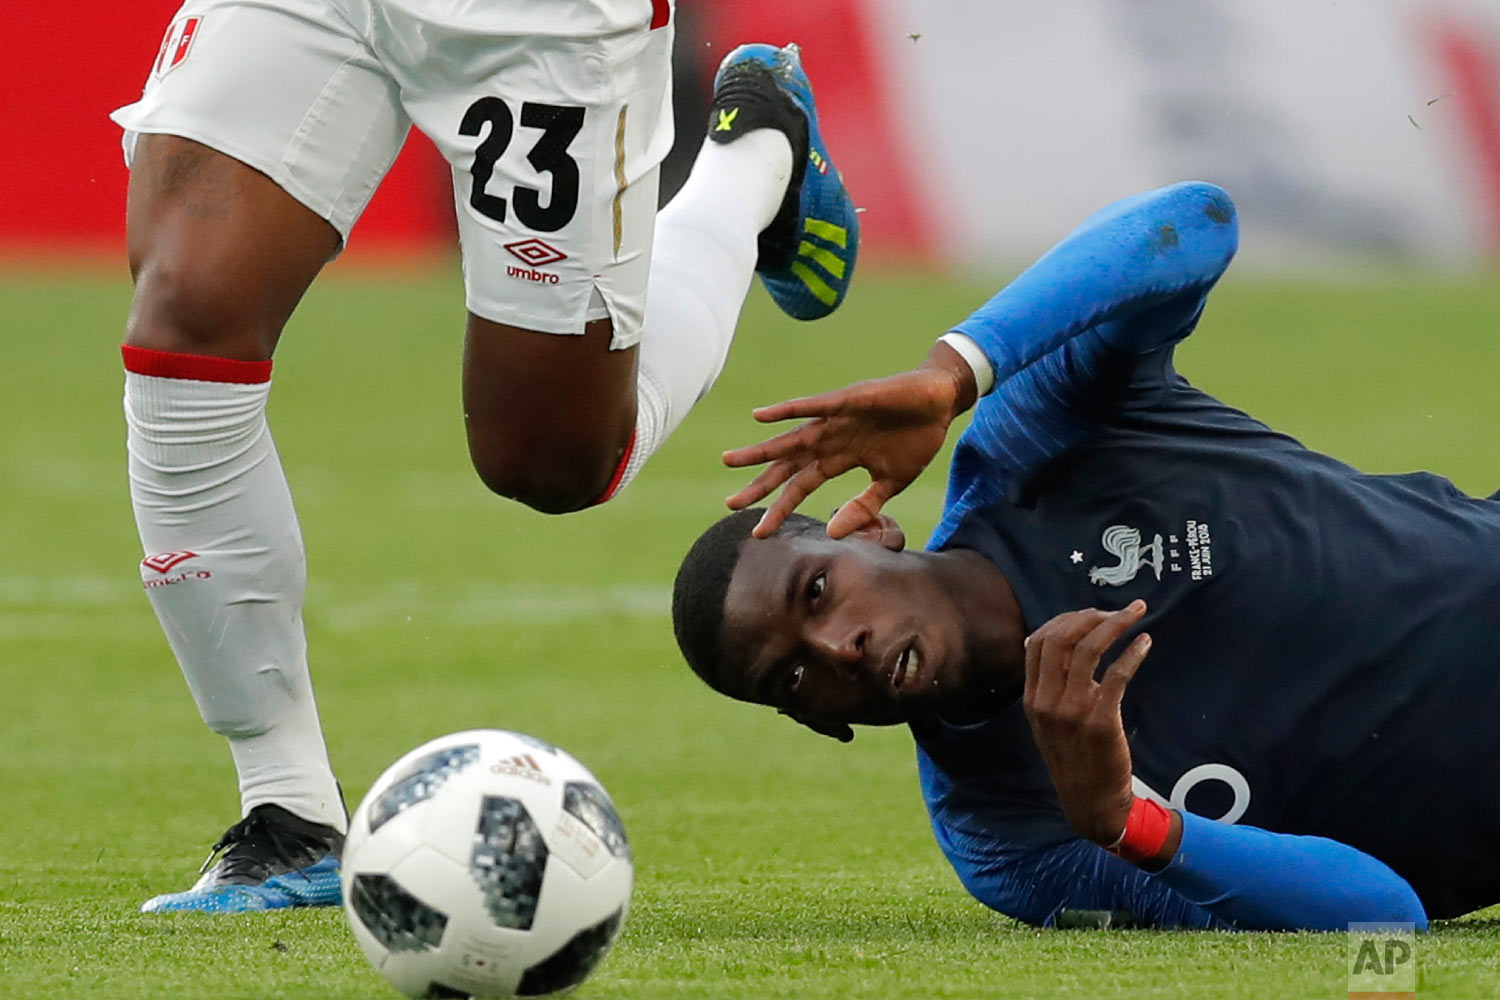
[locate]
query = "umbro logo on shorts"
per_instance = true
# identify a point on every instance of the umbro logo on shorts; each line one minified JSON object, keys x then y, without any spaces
{"x":176,"y":44}
{"x":535,"y":252}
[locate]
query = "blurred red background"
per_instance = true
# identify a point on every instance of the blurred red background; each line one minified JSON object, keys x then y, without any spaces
{"x":62,"y":179}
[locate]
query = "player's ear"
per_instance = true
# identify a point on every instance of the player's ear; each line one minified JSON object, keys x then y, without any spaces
{"x":883,"y":531}
{"x":834,"y":730}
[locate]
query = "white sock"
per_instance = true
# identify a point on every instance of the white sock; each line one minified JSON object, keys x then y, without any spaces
{"x":226,"y":573}
{"x":701,"y":266}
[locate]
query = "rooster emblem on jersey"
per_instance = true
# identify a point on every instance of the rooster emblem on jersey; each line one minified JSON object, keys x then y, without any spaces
{"x":1124,"y":543}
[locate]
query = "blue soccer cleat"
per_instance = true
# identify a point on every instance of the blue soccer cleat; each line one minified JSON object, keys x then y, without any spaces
{"x":807,"y":253}
{"x":271,"y":860}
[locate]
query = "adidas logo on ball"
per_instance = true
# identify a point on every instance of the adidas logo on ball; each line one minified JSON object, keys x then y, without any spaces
{"x":522,"y":765}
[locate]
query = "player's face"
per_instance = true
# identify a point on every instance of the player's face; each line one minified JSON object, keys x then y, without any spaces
{"x":842,"y":632}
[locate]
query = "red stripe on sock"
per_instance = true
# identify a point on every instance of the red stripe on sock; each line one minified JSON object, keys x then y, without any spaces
{"x":614,"y":480}
{"x":194,"y":367}
{"x":660,"y":13}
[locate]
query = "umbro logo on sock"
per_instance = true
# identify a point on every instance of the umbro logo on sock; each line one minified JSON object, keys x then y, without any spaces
{"x":522,"y":765}
{"x":165,"y":562}
{"x":162,"y":562}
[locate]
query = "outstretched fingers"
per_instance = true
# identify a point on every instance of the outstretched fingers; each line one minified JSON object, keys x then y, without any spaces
{"x":797,"y":441}
{"x":797,"y":489}
{"x":824,"y":404}
{"x":891,"y":426}
{"x":763,"y":485}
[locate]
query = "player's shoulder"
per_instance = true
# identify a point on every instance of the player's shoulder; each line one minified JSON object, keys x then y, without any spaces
{"x":1195,"y":202}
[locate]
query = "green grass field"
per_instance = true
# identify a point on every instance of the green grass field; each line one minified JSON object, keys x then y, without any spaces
{"x":771,"y":863}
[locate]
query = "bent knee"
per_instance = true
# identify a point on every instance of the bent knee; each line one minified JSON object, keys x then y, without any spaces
{"x":551,"y":484}
{"x":184,"y":308}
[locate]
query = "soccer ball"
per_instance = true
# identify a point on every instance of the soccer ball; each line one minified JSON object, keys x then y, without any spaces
{"x":486,"y":864}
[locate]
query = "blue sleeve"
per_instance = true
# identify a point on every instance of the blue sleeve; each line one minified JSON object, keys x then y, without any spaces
{"x":1015,"y":852}
{"x":1069,"y":332}
{"x":1257,"y":880}
{"x":1131,"y":280}
{"x":1035,"y":884}
{"x":1138,"y":271}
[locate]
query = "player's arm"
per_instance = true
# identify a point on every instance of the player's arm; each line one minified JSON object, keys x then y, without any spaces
{"x":1248,"y":877}
{"x":1133,"y":278}
{"x":1038,"y":882}
{"x":1138,"y":272}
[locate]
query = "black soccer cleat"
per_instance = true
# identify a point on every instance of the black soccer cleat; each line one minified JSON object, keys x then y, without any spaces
{"x":807,"y":253}
{"x":271,"y":860}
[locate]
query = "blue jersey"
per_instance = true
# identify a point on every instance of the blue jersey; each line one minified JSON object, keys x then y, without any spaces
{"x":1323,"y":663}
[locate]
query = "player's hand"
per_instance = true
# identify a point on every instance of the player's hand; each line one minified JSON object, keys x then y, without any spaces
{"x":891,"y":427}
{"x":1076,"y":721}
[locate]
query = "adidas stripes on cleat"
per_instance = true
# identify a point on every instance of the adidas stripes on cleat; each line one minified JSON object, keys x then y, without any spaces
{"x":271,"y":860}
{"x":808,"y":251}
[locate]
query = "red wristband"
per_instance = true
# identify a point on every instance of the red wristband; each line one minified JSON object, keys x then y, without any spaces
{"x":1147,"y":828}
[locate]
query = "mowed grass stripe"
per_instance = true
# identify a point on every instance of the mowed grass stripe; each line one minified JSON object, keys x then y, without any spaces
{"x":472,"y":602}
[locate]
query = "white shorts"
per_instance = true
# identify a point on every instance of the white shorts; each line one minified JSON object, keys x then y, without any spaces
{"x":553,"y":115}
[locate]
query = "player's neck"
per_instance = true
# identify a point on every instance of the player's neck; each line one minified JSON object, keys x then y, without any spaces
{"x":994,"y":631}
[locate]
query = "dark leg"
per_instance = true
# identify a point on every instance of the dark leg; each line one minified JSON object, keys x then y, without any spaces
{"x":549,"y":417}
{"x":220,"y":254}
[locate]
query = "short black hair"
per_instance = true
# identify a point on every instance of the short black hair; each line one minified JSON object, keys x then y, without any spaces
{"x":700,"y":589}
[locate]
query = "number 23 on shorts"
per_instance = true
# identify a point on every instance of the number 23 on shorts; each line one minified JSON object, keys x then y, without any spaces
{"x":559,"y":125}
